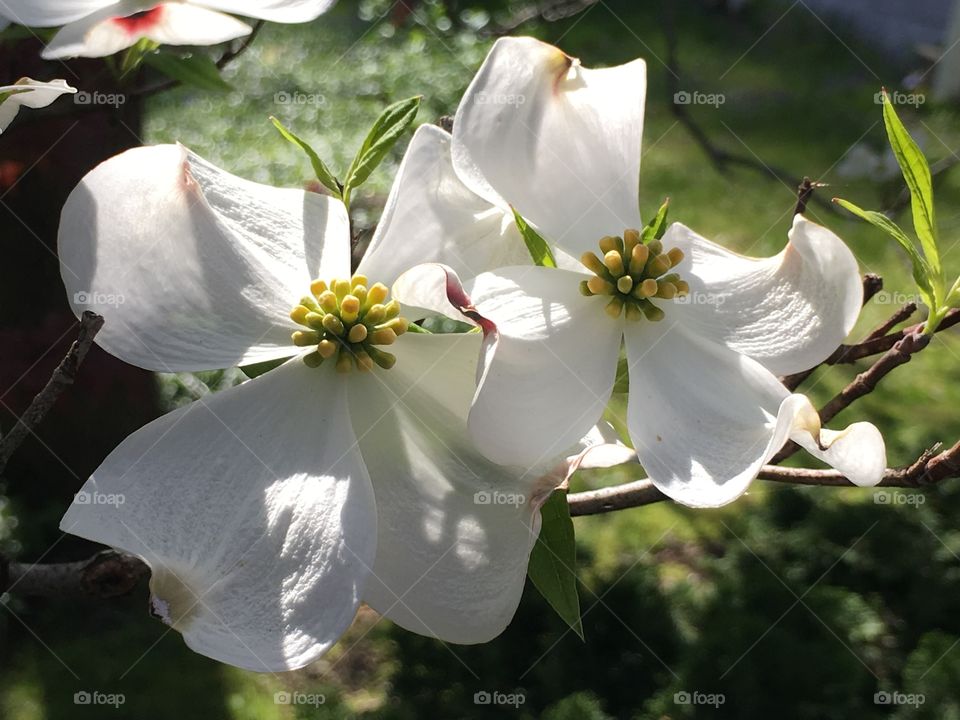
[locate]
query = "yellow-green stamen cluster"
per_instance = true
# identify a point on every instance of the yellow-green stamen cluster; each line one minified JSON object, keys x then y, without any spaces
{"x":346,"y":319}
{"x":633,"y":274}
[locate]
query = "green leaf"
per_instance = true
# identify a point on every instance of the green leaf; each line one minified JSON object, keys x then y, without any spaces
{"x":536,"y":245}
{"x":389,"y":127}
{"x":553,"y":561}
{"x":916,"y":173}
{"x":323,"y":173}
{"x":258,"y":369}
{"x":197,"y":70}
{"x":921,"y":269}
{"x":655,"y":229}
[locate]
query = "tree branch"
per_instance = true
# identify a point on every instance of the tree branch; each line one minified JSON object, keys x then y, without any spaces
{"x":107,"y":574}
{"x":64,"y":375}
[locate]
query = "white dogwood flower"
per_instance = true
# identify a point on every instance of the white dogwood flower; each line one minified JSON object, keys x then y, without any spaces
{"x":269,"y":511}
{"x":706,"y":330}
{"x":28,"y":93}
{"x":95,"y":28}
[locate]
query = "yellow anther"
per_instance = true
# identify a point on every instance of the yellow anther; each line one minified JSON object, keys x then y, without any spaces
{"x":593,"y":263}
{"x":375,"y":315}
{"x":683,"y":288}
{"x":615,"y":306}
{"x":610,"y":243}
{"x":585,"y":289}
{"x":392,"y":309}
{"x":315,"y":320}
{"x":648,"y":288}
{"x":625,"y":284}
{"x":651,"y":312}
{"x":364,"y":361}
{"x":333,"y":324}
{"x":386,"y":336}
{"x":328,"y":301}
{"x":349,"y":309}
{"x":360,"y":292}
{"x":631,"y":238}
{"x":377,"y":294}
{"x":357,"y":280}
{"x":656,"y":247}
{"x":344,"y":361}
{"x":633,"y":312}
{"x":658,"y":266}
{"x":299,"y":314}
{"x":599,"y":286}
{"x":318,"y":287}
{"x":613,"y":261}
{"x":304,"y":339}
{"x":675,"y":255}
{"x":666,"y":290}
{"x":327,"y":348}
{"x":383,"y":359}
{"x":357,"y":334}
{"x":310,"y":302}
{"x":638,"y":259}
{"x":312,"y":360}
{"x":398,"y":324}
{"x":341,"y":288}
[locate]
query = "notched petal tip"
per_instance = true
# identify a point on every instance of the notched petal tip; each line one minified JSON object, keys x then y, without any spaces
{"x":171,"y":600}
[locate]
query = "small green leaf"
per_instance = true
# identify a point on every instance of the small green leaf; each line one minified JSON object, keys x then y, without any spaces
{"x":258,"y":369}
{"x":323,"y":173}
{"x":921,"y":270}
{"x":916,"y":173}
{"x":553,"y":561}
{"x":655,"y":229}
{"x":389,"y":127}
{"x":197,"y":70}
{"x":536,"y":245}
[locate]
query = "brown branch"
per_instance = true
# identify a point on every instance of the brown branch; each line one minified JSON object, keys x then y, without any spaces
{"x":64,"y":375}
{"x":106,"y":574}
{"x":929,"y":469}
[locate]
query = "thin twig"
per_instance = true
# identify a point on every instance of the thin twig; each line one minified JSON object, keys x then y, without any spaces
{"x":929,"y":469}
{"x":65,"y":374}
{"x":107,"y":574}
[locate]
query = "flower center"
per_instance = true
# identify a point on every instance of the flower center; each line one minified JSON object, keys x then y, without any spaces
{"x":633,"y":273}
{"x":347,"y":319}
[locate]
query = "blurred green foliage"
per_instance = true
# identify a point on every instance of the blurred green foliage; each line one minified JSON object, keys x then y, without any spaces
{"x":803,"y":602}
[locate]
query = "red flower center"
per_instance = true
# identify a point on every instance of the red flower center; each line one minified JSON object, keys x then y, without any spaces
{"x":140,"y":22}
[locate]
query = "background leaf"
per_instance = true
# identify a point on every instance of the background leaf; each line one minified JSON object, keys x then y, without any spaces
{"x":196,"y":70}
{"x":322,"y":172}
{"x":552,"y":566}
{"x":389,"y":127}
{"x":539,"y":250}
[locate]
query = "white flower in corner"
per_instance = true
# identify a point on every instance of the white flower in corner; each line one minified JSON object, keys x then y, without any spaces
{"x":95,"y":28}
{"x":269,"y":511}
{"x":706,"y":330}
{"x":28,"y":93}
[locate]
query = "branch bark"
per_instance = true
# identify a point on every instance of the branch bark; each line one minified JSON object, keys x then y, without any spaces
{"x":106,"y":574}
{"x":64,"y":375}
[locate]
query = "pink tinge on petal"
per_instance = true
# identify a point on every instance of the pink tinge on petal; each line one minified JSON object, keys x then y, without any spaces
{"x":140,"y":22}
{"x":459,"y":298}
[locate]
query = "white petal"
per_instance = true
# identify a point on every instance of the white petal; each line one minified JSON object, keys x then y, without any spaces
{"x":255,"y":513}
{"x":27,"y":92}
{"x":280,"y":11}
{"x":50,"y":13}
{"x":118,"y":27}
{"x":435,"y":289}
{"x":194,"y":268}
{"x":549,"y":368}
{"x":455,"y":530}
{"x":858,"y":451}
{"x":431,"y":216}
{"x":557,"y":141}
{"x":789,"y":312}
